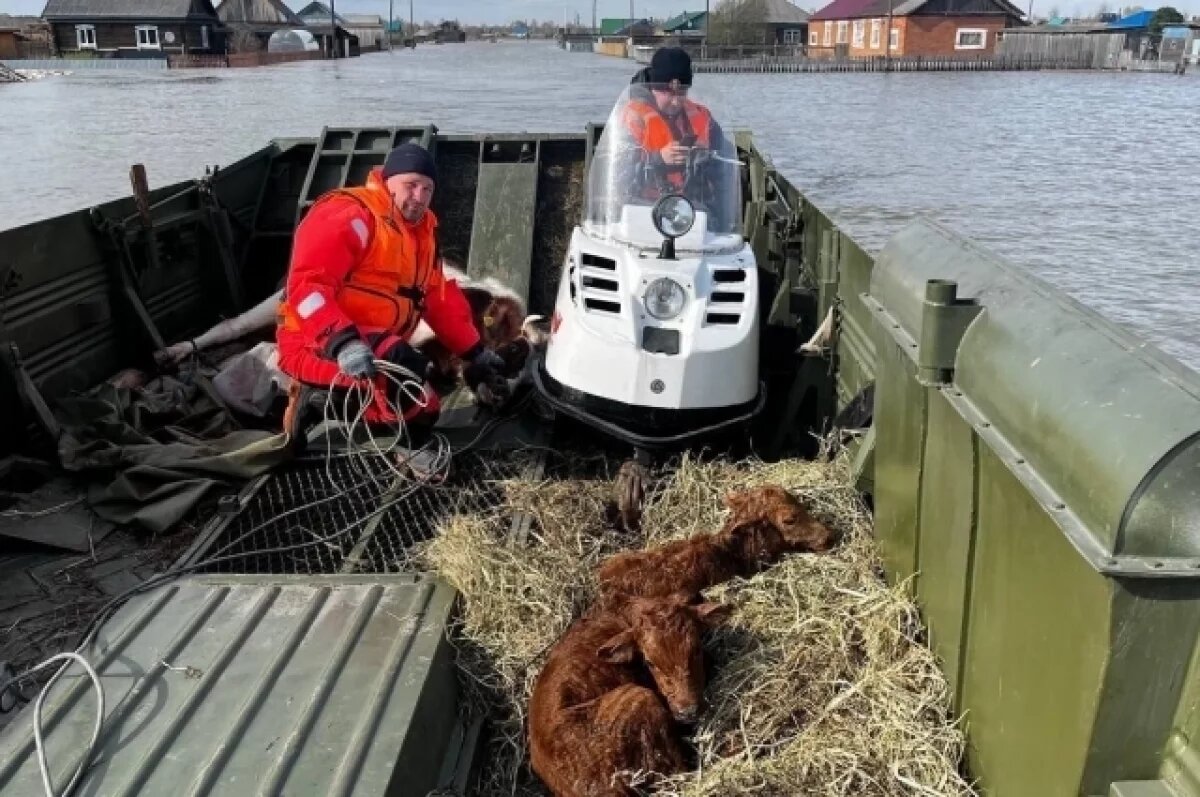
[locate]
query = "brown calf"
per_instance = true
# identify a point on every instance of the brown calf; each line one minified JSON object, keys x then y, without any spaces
{"x":764,"y":524}
{"x":595,"y":711}
{"x":800,"y":530}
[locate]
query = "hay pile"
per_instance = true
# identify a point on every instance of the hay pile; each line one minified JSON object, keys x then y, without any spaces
{"x":820,"y":684}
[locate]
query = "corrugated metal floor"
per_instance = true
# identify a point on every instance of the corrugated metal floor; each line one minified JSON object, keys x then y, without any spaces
{"x":243,"y":685}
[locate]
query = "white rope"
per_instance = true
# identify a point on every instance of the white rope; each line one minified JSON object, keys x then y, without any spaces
{"x":38,"y":741}
{"x":364,"y":457}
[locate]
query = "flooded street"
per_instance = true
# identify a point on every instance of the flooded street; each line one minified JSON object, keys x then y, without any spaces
{"x":1088,"y":178}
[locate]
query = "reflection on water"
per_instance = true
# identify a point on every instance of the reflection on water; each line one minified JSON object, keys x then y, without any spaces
{"x":1086,"y":178}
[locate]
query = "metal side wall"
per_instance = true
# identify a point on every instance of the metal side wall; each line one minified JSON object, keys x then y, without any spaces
{"x":1035,"y":483}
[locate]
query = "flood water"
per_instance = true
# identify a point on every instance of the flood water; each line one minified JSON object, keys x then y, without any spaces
{"x":1090,"y":179}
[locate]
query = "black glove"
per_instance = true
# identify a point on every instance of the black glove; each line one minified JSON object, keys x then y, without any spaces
{"x":483,"y":375}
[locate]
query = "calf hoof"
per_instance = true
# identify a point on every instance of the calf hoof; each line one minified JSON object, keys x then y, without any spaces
{"x":631,"y":495}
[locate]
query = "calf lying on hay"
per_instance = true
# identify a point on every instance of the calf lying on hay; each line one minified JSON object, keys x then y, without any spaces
{"x":819,"y":682}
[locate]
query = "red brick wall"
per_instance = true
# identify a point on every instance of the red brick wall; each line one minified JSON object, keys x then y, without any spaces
{"x":937,"y":35}
{"x":917,"y":36}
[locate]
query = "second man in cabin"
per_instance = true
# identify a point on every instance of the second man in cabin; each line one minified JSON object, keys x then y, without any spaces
{"x":365,"y":270}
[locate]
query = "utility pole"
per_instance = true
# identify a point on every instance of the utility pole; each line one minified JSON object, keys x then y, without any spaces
{"x":333,"y":43}
{"x":631,"y":17}
{"x":594,"y":31}
{"x":887,"y":42}
{"x":391,"y":16}
{"x":412,"y":31}
{"x":707,"y":28}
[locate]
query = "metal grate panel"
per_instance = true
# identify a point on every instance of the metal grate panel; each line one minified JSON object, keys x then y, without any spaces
{"x":473,"y":488}
{"x":345,"y":531}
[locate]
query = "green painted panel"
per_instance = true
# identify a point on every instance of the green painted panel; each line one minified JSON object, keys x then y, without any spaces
{"x":1104,"y":419}
{"x":947,"y":531}
{"x":502,"y":236}
{"x":1141,"y":788}
{"x":899,"y":443}
{"x":1037,"y":645}
{"x":1155,"y":626}
{"x":1181,"y":765}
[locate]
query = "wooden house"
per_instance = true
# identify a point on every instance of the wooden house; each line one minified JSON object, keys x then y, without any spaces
{"x":135,"y":28}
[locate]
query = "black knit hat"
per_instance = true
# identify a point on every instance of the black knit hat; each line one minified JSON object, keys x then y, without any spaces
{"x":671,"y":63}
{"x":409,"y":158}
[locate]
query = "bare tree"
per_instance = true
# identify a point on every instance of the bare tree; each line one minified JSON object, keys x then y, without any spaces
{"x":738,"y":22}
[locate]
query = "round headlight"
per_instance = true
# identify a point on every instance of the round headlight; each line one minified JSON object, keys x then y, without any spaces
{"x":674,"y":216}
{"x":664,"y":298}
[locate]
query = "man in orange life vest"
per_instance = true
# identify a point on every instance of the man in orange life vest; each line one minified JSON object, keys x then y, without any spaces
{"x":365,"y":270}
{"x":667,"y":126}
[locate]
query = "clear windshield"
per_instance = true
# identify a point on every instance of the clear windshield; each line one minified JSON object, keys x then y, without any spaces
{"x":658,"y":142}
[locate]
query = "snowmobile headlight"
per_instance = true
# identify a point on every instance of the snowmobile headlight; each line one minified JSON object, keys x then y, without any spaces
{"x":674,"y":216}
{"x":664,"y":298}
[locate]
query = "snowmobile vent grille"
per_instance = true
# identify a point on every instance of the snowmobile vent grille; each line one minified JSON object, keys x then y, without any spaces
{"x":600,"y":284}
{"x":305,"y":520}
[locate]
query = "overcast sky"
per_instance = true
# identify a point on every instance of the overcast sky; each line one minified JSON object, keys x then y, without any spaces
{"x":500,"y":11}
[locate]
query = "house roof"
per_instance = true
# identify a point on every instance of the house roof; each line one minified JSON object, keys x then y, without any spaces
{"x":318,"y":10}
{"x":363,"y":20}
{"x":1140,"y":19}
{"x":257,"y":12}
{"x":781,"y":12}
{"x":683,"y":20}
{"x":611,"y":25}
{"x":123,"y":9}
{"x":854,"y":9}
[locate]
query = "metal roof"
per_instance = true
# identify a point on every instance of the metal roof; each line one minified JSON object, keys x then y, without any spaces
{"x":363,"y":20}
{"x":683,"y":20}
{"x":238,"y":685}
{"x":857,"y":9}
{"x":1134,"y":21}
{"x":124,"y":9}
{"x":258,"y":12}
{"x":318,"y":10}
{"x":781,"y":12}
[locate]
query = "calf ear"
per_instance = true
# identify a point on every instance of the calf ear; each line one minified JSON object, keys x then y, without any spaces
{"x":620,"y":649}
{"x":712,"y":614}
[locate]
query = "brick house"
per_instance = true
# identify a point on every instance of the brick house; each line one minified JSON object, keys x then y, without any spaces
{"x":133,"y":28}
{"x":858,"y":28}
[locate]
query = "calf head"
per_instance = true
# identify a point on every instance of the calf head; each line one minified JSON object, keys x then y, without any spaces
{"x":800,"y":530}
{"x":754,"y":544}
{"x":496,"y":309}
{"x":666,"y":634}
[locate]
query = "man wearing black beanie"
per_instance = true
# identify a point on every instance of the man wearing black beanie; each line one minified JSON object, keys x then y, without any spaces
{"x":365,"y":270}
{"x":664,"y":123}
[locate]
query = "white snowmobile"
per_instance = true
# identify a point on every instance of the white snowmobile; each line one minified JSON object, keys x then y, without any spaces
{"x":654,"y":336}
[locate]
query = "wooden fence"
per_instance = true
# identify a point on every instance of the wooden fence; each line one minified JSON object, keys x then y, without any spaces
{"x":236,"y":60}
{"x":1098,"y":50}
{"x":912,"y":63}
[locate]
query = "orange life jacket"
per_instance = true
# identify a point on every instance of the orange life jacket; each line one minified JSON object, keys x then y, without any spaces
{"x":654,"y":132}
{"x":385,"y":291}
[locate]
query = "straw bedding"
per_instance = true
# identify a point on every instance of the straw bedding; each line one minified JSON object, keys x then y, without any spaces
{"x":820,"y":684}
